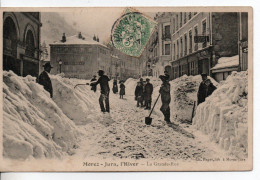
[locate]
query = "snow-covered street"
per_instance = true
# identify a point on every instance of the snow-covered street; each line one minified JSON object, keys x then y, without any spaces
{"x":71,"y":123}
{"x":123,"y":134}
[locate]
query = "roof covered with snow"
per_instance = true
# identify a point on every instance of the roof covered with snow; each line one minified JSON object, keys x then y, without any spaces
{"x":227,"y":62}
{"x":76,"y":40}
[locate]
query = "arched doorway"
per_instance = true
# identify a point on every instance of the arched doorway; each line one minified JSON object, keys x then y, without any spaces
{"x":10,"y":40}
{"x":30,"y":67}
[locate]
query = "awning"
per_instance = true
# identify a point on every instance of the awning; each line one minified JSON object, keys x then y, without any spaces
{"x":226,"y":64}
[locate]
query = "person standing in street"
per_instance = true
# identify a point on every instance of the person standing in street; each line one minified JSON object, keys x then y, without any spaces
{"x":139,"y":91}
{"x":206,"y":88}
{"x":122,"y":90}
{"x":165,"y":97}
{"x":142,"y":84}
{"x":115,"y":87}
{"x":45,"y":80}
{"x":94,"y":87}
{"x":148,"y":91}
{"x":104,"y":86}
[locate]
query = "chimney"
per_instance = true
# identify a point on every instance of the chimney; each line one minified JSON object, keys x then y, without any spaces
{"x":94,"y":38}
{"x":80,"y":36}
{"x":97,"y":39}
{"x":63,"y":38}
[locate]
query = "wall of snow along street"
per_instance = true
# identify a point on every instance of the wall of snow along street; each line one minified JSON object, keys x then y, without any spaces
{"x":183,"y":94}
{"x":223,"y":116}
{"x":36,"y":126}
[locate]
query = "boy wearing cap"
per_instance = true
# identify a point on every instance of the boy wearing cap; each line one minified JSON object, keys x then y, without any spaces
{"x":165,"y":97}
{"x":45,"y":80}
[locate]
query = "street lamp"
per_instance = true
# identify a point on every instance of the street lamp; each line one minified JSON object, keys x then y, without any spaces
{"x":60,"y":63}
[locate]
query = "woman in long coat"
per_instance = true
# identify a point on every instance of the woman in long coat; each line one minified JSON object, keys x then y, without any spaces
{"x":115,"y":87}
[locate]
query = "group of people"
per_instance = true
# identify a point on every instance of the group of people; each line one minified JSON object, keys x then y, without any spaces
{"x":143,"y":93}
{"x":143,"y":90}
{"x":122,"y":88}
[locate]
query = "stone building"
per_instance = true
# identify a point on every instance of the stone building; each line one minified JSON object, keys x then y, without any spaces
{"x":200,"y":39}
{"x":79,"y":56}
{"x":21,"y":42}
{"x":192,"y":42}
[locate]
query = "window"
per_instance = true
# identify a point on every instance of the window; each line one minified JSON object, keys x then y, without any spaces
{"x":182,"y":69}
{"x":173,"y":25}
{"x":204,"y":29}
{"x":174,"y":51}
{"x":167,"y":32}
{"x":167,"y":49}
{"x":178,"y":49}
{"x":177,"y":22}
{"x":180,"y":20}
{"x":189,"y":16}
{"x":185,"y":20}
{"x":195,"y":34}
{"x":192,"y":68}
{"x":185,"y":44}
{"x":190,"y":41}
{"x":181,"y":47}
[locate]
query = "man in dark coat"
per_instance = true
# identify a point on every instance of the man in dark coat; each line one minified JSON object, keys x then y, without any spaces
{"x":45,"y":80}
{"x":93,"y":87}
{"x":165,"y":97}
{"x":139,"y":91}
{"x":148,"y":91}
{"x":206,"y":88}
{"x":142,"y":84}
{"x":104,"y":96}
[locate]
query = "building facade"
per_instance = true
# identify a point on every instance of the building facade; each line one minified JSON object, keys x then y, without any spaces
{"x":21,"y":42}
{"x":81,"y":57}
{"x":192,"y":42}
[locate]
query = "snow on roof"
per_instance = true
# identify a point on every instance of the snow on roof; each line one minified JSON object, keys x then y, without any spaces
{"x":76,"y":40}
{"x":226,"y":62}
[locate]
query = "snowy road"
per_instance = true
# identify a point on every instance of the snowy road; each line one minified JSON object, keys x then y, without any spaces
{"x":123,"y":134}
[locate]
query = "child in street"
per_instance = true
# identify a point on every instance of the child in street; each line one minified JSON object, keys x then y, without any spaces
{"x":122,"y":90}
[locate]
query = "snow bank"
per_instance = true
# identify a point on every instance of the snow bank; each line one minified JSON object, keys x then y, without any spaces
{"x":183,"y":93}
{"x":33,"y":125}
{"x":77,"y":103}
{"x":223,"y":116}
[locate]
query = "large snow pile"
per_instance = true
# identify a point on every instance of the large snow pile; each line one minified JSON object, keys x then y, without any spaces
{"x":34,"y":126}
{"x":79,"y":103}
{"x":184,"y":93}
{"x":223,"y":116}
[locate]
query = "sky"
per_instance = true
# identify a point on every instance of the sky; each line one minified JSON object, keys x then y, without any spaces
{"x":98,"y":21}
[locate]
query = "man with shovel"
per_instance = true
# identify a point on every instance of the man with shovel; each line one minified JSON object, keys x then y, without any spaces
{"x":165,"y":97}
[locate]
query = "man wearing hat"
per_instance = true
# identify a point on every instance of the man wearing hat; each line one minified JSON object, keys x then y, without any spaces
{"x":165,"y":97}
{"x":104,"y":96}
{"x":148,"y":91}
{"x":45,"y":80}
{"x":205,"y":88}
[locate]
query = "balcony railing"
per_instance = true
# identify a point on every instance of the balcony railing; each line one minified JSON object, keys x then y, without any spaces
{"x":10,"y":47}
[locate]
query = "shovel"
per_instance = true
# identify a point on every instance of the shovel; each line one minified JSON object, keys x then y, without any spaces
{"x":81,"y":85}
{"x":148,"y":120}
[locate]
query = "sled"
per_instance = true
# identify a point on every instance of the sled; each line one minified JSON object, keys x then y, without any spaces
{"x":148,"y":120}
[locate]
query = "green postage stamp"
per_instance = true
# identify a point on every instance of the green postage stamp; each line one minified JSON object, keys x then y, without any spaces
{"x":131,"y":32}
